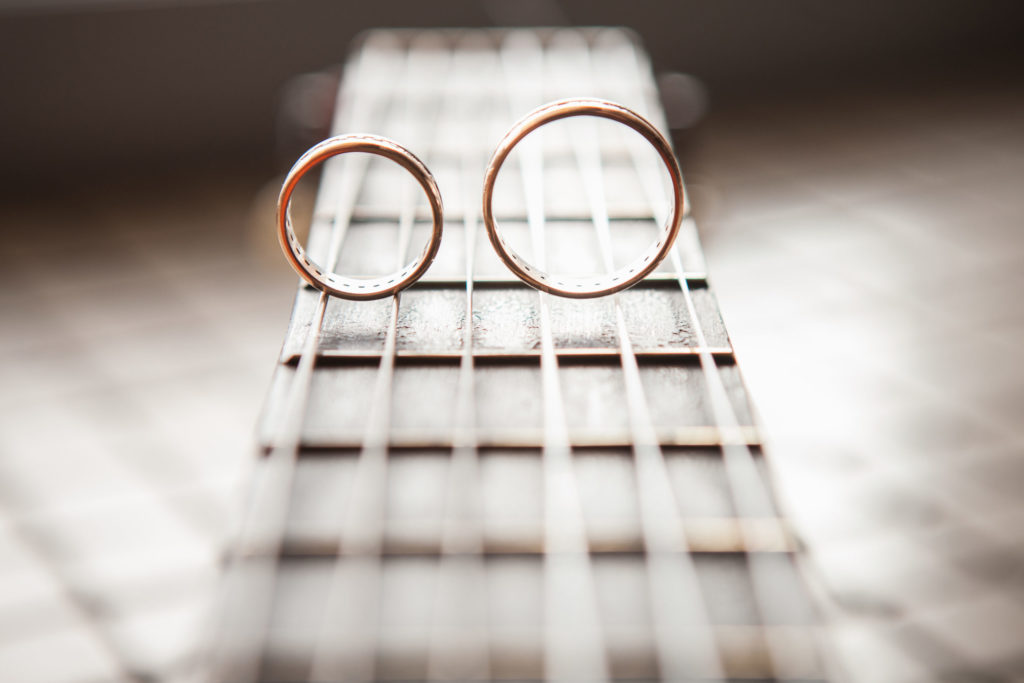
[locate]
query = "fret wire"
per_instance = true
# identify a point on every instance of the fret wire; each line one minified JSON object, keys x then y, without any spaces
{"x":684,"y":640}
{"x":749,"y":493}
{"x":357,"y":567}
{"x":461,"y":551}
{"x":712,"y":535}
{"x":534,"y":438}
{"x":574,"y":644}
{"x":239,"y":656}
{"x":499,"y":281}
{"x":343,"y":356}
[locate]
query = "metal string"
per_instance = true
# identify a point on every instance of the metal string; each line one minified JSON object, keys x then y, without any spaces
{"x":750,"y":494}
{"x":459,"y":640}
{"x":574,"y":644}
{"x":684,"y":639}
{"x":249,"y":591}
{"x":346,"y":644}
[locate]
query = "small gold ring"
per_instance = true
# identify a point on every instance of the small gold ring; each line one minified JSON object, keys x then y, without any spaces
{"x":340,"y":285}
{"x":594,"y":286}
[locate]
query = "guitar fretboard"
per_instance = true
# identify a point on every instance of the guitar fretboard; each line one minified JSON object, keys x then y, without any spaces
{"x":476,"y":481}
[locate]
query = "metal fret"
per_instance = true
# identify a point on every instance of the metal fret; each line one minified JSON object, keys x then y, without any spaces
{"x":523,"y":438}
{"x":697,"y":535}
{"x":597,"y":353}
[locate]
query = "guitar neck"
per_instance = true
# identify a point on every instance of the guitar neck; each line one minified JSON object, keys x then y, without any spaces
{"x":473,"y":480}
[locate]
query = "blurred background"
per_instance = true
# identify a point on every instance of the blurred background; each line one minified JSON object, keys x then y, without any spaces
{"x":855,"y":170}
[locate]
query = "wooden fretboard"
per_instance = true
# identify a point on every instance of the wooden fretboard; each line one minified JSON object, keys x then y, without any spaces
{"x":475,"y":481}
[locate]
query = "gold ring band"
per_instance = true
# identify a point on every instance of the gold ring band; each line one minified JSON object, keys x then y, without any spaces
{"x":594,"y":286}
{"x":340,"y":285}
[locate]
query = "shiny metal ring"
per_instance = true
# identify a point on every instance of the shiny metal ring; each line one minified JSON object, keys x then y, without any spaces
{"x":594,"y":286}
{"x":339,"y":285}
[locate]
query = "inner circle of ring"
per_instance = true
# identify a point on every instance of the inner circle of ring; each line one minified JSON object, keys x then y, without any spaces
{"x":576,"y":287}
{"x":339,"y":285}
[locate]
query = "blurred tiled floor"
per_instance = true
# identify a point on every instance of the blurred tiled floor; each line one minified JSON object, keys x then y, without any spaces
{"x":139,"y":330}
{"x":869,"y":258}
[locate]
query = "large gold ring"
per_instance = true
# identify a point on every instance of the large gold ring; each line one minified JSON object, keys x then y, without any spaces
{"x":593,"y":286}
{"x":340,"y":285}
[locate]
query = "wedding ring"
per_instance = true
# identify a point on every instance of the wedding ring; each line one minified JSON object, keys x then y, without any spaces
{"x":340,"y":285}
{"x":594,"y":286}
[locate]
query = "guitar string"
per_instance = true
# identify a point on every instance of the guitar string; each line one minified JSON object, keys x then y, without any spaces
{"x":456,"y":653}
{"x":684,"y":637}
{"x":574,"y":646}
{"x":347,"y":641}
{"x":750,"y":495}
{"x":248,"y":595}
